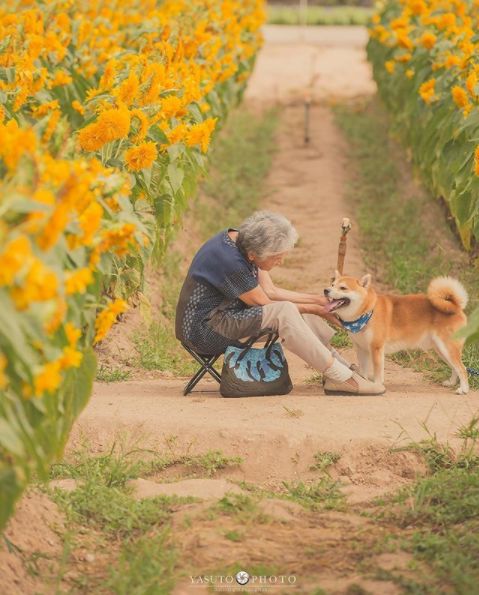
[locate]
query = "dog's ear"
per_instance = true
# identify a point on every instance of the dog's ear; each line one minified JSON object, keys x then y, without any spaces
{"x":365,"y":281}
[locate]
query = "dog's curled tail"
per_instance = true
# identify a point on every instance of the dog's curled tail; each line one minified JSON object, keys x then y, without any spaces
{"x":447,"y":295}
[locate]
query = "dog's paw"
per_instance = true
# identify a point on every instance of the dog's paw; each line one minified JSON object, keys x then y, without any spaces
{"x":462,"y":391}
{"x":449,"y":383}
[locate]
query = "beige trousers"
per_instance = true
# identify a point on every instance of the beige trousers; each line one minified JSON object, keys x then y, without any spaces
{"x":306,"y":335}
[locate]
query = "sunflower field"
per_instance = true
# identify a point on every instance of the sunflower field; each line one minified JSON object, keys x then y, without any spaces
{"x":425,"y":58}
{"x":106,"y":116}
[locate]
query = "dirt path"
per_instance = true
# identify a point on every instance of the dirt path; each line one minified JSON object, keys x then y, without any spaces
{"x":332,"y":58}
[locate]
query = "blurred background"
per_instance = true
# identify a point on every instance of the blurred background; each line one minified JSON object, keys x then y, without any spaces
{"x":319,"y":12}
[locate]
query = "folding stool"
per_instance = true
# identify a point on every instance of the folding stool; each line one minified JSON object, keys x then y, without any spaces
{"x":207,"y":366}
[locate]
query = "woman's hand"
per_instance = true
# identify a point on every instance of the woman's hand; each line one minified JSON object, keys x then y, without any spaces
{"x":321,"y":300}
{"x":319,"y":310}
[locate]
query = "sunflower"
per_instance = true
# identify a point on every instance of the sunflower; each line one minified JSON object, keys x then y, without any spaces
{"x":106,"y":318}
{"x":114,"y":123}
{"x":141,"y":156}
{"x":428,"y":40}
{"x":427,"y":91}
{"x":200,"y":134}
{"x":459,"y":96}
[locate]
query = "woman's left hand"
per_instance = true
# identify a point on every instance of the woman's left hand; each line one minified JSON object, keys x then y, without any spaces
{"x":321,"y":300}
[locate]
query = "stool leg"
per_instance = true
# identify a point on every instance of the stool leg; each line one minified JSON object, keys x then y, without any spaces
{"x":211,"y":370}
{"x":194,"y":381}
{"x":206,"y":366}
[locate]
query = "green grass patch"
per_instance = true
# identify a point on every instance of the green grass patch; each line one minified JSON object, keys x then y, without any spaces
{"x":155,"y":341}
{"x":145,"y":566}
{"x":323,"y":494}
{"x":112,"y":469}
{"x":315,"y":378}
{"x":319,"y":15}
{"x":433,"y":367}
{"x":447,"y":497}
{"x":233,"y":504}
{"x":438,"y":517}
{"x":105,"y":374}
{"x":212,"y":461}
{"x":341,"y":339}
{"x":103,"y":509}
{"x":243,"y":507}
{"x":159,"y":349}
{"x":441,"y":456}
{"x":405,"y":237}
{"x":115,"y":468}
{"x":323,"y":459}
{"x":113,"y":511}
{"x":102,"y":498}
{"x":234,"y":536}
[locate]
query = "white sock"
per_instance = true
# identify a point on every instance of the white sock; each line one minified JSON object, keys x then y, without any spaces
{"x":338,"y":371}
{"x":339,"y":357}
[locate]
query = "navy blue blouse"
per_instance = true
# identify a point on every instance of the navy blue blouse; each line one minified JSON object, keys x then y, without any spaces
{"x":209,"y":314}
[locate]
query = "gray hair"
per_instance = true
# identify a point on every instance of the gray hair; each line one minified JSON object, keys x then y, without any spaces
{"x":265,"y":234}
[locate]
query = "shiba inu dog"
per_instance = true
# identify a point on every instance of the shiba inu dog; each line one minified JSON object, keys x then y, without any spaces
{"x":379,"y":323}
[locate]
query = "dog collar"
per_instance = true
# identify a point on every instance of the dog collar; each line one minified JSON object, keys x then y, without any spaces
{"x":354,"y":326}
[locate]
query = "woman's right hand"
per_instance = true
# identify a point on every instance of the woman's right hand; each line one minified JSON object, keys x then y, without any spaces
{"x":321,"y":310}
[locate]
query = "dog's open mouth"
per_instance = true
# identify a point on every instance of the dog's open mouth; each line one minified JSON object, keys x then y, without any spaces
{"x":333,"y":305}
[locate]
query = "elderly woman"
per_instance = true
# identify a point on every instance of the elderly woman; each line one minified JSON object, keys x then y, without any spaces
{"x":228,"y":295}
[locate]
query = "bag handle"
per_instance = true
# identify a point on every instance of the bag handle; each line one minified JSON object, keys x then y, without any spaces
{"x":269,"y":345}
{"x":272,"y":337}
{"x":266,"y":332}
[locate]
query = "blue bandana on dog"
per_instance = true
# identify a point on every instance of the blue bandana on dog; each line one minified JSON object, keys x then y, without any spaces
{"x":354,"y":326}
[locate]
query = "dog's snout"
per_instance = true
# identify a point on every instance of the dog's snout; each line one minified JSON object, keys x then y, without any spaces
{"x":326,"y":292}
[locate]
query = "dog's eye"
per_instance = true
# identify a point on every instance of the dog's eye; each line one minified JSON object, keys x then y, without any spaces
{"x":343,"y":288}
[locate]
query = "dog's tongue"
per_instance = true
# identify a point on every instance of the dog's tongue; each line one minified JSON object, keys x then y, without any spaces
{"x":329,"y":306}
{"x":333,"y":305}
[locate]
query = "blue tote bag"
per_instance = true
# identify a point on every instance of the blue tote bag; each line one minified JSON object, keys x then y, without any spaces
{"x":255,"y":372}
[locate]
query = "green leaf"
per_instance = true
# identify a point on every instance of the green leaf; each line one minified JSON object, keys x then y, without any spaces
{"x":175,"y":175}
{"x":156,"y":134}
{"x":11,"y":331}
{"x":10,"y":440}
{"x":22,"y":205}
{"x":195,"y":112}
{"x":463,"y":208}
{"x":174,"y":151}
